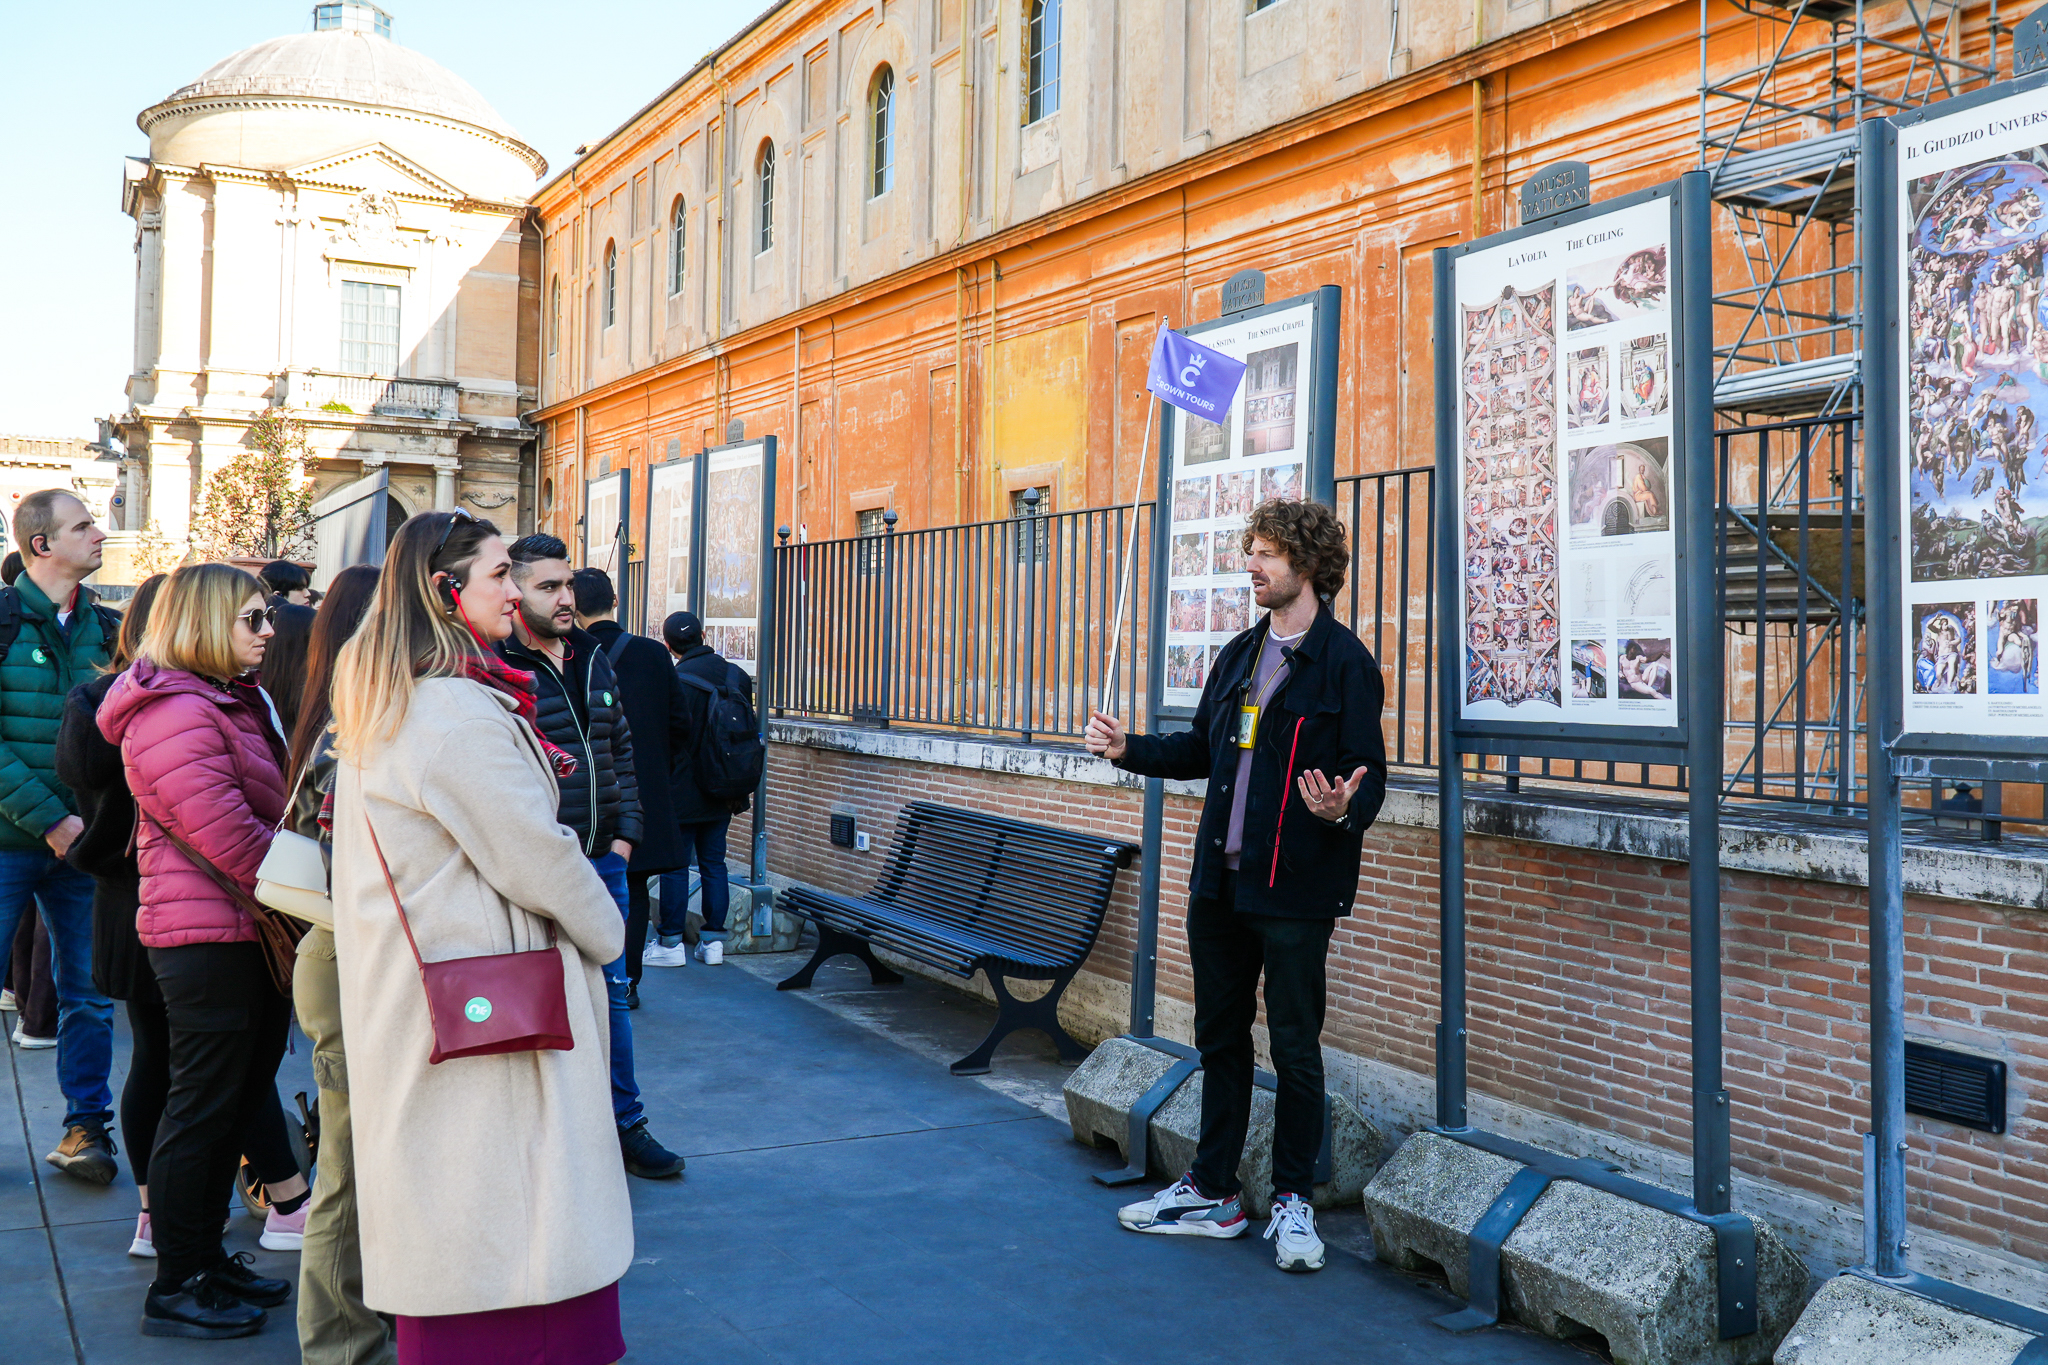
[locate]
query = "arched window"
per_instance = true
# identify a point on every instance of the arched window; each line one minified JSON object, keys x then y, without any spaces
{"x":882,"y":130}
{"x":675,"y":247}
{"x":555,"y":316}
{"x":1042,"y":60}
{"x":611,"y":284}
{"x":766,"y":236}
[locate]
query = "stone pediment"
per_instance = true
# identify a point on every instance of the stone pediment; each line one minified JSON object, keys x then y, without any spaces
{"x":377,"y":168}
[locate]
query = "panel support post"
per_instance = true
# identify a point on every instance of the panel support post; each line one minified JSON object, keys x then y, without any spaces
{"x":1450,"y":823}
{"x":1703,"y":696}
{"x":1883,"y":695}
{"x":1145,"y":961}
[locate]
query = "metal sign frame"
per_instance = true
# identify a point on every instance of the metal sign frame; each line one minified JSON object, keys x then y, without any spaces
{"x":1892,"y":754}
{"x":1319,"y":459}
{"x":623,"y":542}
{"x":1695,"y":741}
{"x":695,"y":465}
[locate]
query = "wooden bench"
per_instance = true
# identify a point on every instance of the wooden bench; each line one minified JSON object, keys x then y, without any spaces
{"x":967,"y":892}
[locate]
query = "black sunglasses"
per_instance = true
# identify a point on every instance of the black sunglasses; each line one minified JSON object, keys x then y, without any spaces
{"x":256,"y":618}
{"x":458,"y":515}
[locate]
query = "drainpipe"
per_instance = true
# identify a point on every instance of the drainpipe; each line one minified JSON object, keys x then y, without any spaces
{"x":1478,"y":152}
{"x":959,"y":385}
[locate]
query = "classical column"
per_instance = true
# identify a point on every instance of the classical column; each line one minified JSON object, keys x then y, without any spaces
{"x":444,"y":485}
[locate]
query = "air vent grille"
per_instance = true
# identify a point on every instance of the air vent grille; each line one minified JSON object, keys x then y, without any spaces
{"x":842,"y":830}
{"x":1957,"y":1086}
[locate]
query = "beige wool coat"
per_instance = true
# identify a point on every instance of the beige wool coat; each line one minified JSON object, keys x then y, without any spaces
{"x":484,"y":1182}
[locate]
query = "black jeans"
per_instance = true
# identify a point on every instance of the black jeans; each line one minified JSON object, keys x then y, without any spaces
{"x":1227,"y":951}
{"x":227,"y":1034}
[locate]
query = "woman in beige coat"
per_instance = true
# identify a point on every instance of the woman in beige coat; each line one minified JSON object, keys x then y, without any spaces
{"x":513,"y":1252}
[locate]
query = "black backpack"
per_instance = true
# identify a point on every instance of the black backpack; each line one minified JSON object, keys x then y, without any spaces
{"x":731,"y":759}
{"x":10,"y":621}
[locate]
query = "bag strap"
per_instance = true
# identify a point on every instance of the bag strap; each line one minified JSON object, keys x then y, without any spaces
{"x":241,"y":898}
{"x":404,"y":921}
{"x":692,"y":680}
{"x":618,"y":647}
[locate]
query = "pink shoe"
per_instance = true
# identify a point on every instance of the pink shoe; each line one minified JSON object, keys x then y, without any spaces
{"x":144,"y":1244}
{"x":285,"y":1231}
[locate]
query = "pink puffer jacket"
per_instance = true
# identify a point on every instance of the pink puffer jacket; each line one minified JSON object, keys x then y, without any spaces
{"x":204,"y":763}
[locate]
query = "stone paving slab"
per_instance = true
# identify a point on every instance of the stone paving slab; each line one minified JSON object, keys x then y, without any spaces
{"x":847,"y":1201}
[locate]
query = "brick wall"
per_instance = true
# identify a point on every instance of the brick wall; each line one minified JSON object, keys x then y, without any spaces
{"x":1578,"y":984}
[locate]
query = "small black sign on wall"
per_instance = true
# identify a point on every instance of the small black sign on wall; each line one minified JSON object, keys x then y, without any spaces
{"x":1959,"y":1087}
{"x":842,"y":829}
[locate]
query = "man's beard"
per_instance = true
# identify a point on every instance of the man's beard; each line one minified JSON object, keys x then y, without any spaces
{"x":543,"y":627}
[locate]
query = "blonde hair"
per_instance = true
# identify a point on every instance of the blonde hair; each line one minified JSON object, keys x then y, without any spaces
{"x":407,"y":634}
{"x":192,"y":623}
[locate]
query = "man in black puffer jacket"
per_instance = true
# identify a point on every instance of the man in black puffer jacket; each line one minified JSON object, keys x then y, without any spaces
{"x":580,"y":709}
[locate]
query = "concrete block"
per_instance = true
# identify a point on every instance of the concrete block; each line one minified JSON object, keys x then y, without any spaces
{"x":739,"y":925}
{"x":1852,"y":1321}
{"x":1102,"y":1090}
{"x":1582,"y":1261}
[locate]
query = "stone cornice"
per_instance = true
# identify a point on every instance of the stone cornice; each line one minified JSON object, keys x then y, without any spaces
{"x":206,"y":104}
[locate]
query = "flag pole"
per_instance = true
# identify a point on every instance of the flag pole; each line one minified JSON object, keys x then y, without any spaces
{"x":1116,"y":635}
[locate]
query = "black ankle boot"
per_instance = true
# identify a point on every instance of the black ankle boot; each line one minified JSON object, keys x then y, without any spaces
{"x":234,"y":1276}
{"x":201,"y":1307}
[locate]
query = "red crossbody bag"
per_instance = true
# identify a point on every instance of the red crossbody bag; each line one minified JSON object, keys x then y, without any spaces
{"x":498,"y":1002}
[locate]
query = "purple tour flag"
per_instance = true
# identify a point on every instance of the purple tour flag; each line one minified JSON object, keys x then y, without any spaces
{"x":1192,"y":377}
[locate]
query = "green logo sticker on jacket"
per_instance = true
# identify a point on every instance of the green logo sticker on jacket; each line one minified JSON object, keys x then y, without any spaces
{"x":43,"y":658}
{"x":478,"y":1009}
{"x":607,"y":699}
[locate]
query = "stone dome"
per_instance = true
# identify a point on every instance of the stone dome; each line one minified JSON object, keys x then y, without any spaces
{"x":350,"y":66}
{"x":296,"y":100}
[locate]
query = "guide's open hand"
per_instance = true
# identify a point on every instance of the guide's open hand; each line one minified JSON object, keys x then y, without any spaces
{"x":1326,"y":800}
{"x":1104,"y":736}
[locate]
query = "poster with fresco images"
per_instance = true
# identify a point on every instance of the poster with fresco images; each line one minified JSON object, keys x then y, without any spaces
{"x":671,"y":536}
{"x":603,"y":506}
{"x":735,"y":558}
{"x":1219,"y":472}
{"x":1973,"y":208}
{"x":1568,"y":592}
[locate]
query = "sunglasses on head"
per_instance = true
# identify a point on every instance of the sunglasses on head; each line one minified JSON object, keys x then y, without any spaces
{"x":256,"y":618}
{"x":454,"y":517}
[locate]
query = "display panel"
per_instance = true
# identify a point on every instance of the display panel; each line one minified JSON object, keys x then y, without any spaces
{"x":1566,"y":473}
{"x":734,"y":552}
{"x":604,"y":502}
{"x":1219,"y":471}
{"x":671,"y":535}
{"x":1972,"y":209}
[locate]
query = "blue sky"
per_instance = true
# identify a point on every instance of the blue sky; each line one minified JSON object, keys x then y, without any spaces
{"x":73,"y":76}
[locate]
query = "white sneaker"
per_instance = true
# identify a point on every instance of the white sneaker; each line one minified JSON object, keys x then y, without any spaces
{"x":659,"y":955}
{"x":1293,"y":1234}
{"x":28,"y":1042}
{"x":7,"y":1001}
{"x":144,"y":1244}
{"x":284,"y":1231}
{"x":710,"y":952}
{"x":1181,"y":1208}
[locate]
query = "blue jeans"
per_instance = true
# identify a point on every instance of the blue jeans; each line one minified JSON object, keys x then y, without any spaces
{"x":626,"y":1106}
{"x":706,"y":843}
{"x":85,"y":1018}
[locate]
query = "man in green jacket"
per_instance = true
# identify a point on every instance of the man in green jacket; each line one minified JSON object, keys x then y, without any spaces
{"x":57,"y":635}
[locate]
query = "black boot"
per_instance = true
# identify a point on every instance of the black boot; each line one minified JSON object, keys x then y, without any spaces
{"x":201,"y":1307}
{"x":644,"y":1156}
{"x":234,"y":1276}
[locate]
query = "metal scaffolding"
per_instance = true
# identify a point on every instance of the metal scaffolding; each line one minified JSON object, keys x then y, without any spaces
{"x":1779,"y":138}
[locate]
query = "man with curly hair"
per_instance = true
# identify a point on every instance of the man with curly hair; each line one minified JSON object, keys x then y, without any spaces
{"x":1288,"y":735}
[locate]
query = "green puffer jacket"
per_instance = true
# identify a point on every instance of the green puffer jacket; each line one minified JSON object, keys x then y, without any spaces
{"x":37,"y":673}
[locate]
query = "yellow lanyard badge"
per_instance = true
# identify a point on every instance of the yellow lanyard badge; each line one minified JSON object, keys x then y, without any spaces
{"x":1247,"y":724}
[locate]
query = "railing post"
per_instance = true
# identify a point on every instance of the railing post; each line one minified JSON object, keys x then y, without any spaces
{"x":886,"y":656}
{"x":778,"y":685}
{"x":1030,"y":609}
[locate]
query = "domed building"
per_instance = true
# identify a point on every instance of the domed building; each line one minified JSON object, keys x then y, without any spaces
{"x":336,"y":226}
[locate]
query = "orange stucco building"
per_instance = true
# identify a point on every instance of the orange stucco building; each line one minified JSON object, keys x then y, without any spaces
{"x":937,"y":291}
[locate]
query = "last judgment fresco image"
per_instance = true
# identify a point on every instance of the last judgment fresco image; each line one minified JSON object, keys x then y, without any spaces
{"x":1979,"y":371}
{"x":1510,"y":451}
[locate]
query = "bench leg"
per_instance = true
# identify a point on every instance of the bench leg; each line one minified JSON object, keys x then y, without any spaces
{"x":832,"y":943}
{"x":1012,"y":1014}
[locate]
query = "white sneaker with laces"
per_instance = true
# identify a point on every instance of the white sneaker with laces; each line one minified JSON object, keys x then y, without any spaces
{"x":659,"y":955}
{"x":1293,"y":1234}
{"x":711,"y":952}
{"x":1183,"y":1210}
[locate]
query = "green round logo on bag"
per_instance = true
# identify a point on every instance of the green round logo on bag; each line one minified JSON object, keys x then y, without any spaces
{"x":43,"y":658}
{"x":607,"y":696}
{"x":478,"y":1009}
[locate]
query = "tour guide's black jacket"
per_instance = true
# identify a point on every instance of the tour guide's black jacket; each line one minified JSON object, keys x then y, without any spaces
{"x":601,"y":799}
{"x":1327,"y":716}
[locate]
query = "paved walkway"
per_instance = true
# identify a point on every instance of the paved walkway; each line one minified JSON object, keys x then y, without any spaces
{"x":847,"y":1201}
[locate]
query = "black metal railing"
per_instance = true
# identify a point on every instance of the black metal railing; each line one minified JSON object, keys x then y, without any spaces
{"x":983,"y":628}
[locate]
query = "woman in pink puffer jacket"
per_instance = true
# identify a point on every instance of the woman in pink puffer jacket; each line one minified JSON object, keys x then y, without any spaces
{"x":204,"y":758}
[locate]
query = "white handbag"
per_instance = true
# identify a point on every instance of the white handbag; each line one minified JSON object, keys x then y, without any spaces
{"x":292,"y":879}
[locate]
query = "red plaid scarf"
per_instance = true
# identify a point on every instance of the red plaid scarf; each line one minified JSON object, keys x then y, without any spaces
{"x":493,"y":672}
